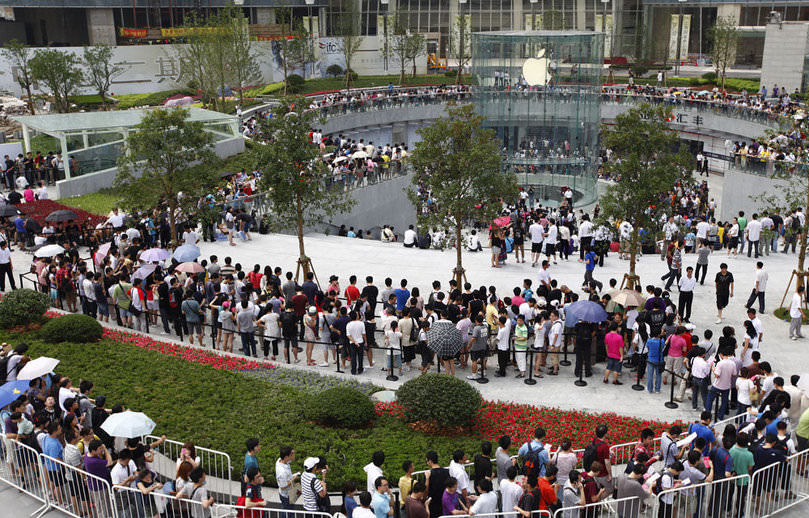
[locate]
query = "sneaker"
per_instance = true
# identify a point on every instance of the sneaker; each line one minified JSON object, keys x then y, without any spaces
{"x":473,"y":376}
{"x":718,"y":321}
{"x":324,"y":364}
{"x":793,"y":338}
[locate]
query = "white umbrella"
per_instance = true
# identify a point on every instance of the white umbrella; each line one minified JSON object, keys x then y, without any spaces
{"x":154,"y":255}
{"x":360,"y":154}
{"x":144,"y":271}
{"x":38,"y":367}
{"x":128,"y":424}
{"x":340,"y":159}
{"x":49,"y":251}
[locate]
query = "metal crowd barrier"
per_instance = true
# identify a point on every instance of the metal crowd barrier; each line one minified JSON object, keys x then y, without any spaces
{"x":134,"y":503}
{"x":20,"y":467}
{"x":78,"y":493}
{"x":623,"y":507}
{"x":778,"y":487}
{"x":217,"y":465}
{"x":512,"y":514}
{"x":708,"y":499}
{"x":232,"y":511}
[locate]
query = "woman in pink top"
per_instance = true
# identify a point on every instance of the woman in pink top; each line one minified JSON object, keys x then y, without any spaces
{"x":614,"y":343}
{"x":674,"y":360}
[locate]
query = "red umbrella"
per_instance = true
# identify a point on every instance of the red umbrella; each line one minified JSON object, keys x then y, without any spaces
{"x":501,"y":222}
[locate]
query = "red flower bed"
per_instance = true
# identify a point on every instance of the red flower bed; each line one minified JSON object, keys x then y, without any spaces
{"x":520,"y":421}
{"x":40,"y":209}
{"x":190,"y":354}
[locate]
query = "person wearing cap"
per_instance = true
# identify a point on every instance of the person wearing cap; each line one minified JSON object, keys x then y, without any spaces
{"x":313,"y":487}
{"x":310,"y":334}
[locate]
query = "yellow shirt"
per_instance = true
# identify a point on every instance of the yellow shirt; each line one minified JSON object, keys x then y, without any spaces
{"x":492,"y":316}
{"x":405,"y":487}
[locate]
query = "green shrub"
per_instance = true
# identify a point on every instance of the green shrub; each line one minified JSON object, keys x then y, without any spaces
{"x":341,"y":407}
{"x":737,"y":85}
{"x":22,"y":307}
{"x":353,"y":75}
{"x":640,"y":69}
{"x":335,"y":70}
{"x":710,"y":76}
{"x":71,"y":328}
{"x":451,"y":73}
{"x":441,"y":398}
{"x":295,"y":83}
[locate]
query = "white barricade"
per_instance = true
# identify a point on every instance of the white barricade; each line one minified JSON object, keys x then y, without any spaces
{"x":131,"y":502}
{"x":630,"y":507}
{"x":720,"y":498}
{"x":778,"y":486}
{"x":513,"y":514}
{"x":21,"y":467}
{"x":217,"y":465}
{"x":232,"y":511}
{"x":76,"y":492}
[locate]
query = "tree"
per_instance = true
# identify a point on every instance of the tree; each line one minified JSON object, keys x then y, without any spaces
{"x":60,"y":72}
{"x":460,"y":43}
{"x":244,"y":62}
{"x":218,"y":38}
{"x":396,"y":44}
{"x":648,"y":167}
{"x":100,"y":68}
{"x":458,"y":163}
{"x":296,"y":179}
{"x":166,"y":154}
{"x":348,"y":29}
{"x":724,"y":40}
{"x":20,"y":57}
{"x":294,"y":49}
{"x":416,"y":46}
{"x":194,"y":67}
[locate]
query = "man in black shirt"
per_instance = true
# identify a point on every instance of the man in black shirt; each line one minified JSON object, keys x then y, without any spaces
{"x":371,"y":294}
{"x":436,"y":483}
{"x":724,"y":290}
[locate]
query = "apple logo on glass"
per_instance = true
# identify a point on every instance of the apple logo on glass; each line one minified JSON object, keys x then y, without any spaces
{"x":535,"y":70}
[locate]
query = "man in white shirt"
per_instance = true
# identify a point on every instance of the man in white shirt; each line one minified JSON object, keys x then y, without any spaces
{"x":486,"y":503}
{"x":510,"y":491}
{"x":373,"y":470}
{"x":409,"y":237}
{"x":124,"y":472}
{"x":555,"y":339}
{"x":753,"y":234}
{"x":537,"y":234}
{"x":116,"y":219}
{"x":355,"y":331}
{"x":284,"y":476}
{"x":545,"y":275}
{"x":190,"y":237}
{"x":759,"y":288}
{"x":625,"y":233}
{"x":687,"y":285}
{"x":702,"y":231}
{"x":456,"y":469}
{"x":768,"y":224}
{"x":42,"y":192}
{"x":795,"y":314}
{"x":6,"y":267}
{"x":585,"y":236}
{"x":551,"y":239}
{"x":670,"y":230}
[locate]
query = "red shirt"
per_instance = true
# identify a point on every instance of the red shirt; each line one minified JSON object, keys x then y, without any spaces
{"x":352,"y":293}
{"x":547,"y":492}
{"x":255,"y":279}
{"x":602,"y":454}
{"x":299,"y":302}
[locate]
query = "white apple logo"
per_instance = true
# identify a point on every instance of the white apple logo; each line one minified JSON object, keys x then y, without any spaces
{"x":535,"y":70}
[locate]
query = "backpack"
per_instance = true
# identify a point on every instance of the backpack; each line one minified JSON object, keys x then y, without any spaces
{"x":532,"y":463}
{"x":98,"y":289}
{"x":796,"y":223}
{"x":414,"y":330}
{"x":590,"y":454}
{"x":4,"y":367}
{"x":658,"y":485}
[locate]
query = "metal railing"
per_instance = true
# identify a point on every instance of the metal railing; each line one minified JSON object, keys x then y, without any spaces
{"x":21,"y":468}
{"x":512,"y":514}
{"x":778,"y":487}
{"x":232,"y":511}
{"x":78,"y":493}
{"x":131,"y":502}
{"x":716,"y":498}
{"x":623,"y":507}
{"x":217,"y":465}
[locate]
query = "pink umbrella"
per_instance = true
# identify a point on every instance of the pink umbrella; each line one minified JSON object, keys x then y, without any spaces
{"x":101,"y":253}
{"x":190,"y":267}
{"x":501,"y":222}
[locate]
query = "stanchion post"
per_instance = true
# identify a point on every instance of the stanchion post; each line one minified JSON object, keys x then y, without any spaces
{"x":637,"y":385}
{"x":670,"y":403}
{"x":565,"y":362}
{"x":337,"y":350}
{"x":391,"y":376}
{"x":289,"y":353}
{"x":530,"y":379}
{"x":482,"y":379}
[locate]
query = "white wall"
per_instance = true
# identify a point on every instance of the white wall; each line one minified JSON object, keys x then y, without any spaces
{"x":785,"y":48}
{"x":152,"y":68}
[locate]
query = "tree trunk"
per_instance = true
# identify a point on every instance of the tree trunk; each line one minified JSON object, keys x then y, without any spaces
{"x":30,"y":98}
{"x":303,"y":261}
{"x":414,"y":67}
{"x":633,"y":244}
{"x":172,"y":227}
{"x":458,"y":253}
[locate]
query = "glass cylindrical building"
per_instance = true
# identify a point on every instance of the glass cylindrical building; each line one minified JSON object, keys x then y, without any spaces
{"x":540,"y":92}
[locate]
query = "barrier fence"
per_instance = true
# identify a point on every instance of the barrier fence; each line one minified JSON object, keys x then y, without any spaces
{"x":233,"y":511}
{"x":709,"y":499}
{"x":217,"y":465}
{"x":21,"y":468}
{"x":778,"y":486}
{"x":153,"y":502}
{"x":624,"y":507}
{"x":76,"y":492}
{"x":512,"y":514}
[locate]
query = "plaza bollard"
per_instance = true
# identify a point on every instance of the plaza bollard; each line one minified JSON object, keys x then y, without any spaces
{"x":482,"y":379}
{"x":391,"y":376}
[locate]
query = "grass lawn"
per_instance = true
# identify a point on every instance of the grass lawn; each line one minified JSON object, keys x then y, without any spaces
{"x":101,"y":202}
{"x":220,"y":409}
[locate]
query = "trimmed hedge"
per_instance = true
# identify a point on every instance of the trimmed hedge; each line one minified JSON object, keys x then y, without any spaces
{"x":341,"y":407}
{"x":22,"y":307}
{"x":72,"y":328}
{"x":439,"y":398}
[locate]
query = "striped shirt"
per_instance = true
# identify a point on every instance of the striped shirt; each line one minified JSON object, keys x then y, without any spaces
{"x":309,"y":499}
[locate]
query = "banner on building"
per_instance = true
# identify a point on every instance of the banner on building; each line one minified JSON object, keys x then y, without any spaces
{"x":132,"y":33}
{"x":533,"y":22}
{"x":674,"y":32}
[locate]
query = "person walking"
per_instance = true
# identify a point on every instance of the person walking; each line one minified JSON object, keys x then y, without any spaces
{"x":675,"y":263}
{"x":758,"y":288}
{"x":724,"y":290}
{"x":703,"y":251}
{"x":687,"y":285}
{"x":796,"y":314}
{"x":6,"y":267}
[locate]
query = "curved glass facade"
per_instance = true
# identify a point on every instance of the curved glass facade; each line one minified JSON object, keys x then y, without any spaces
{"x":540,"y":91}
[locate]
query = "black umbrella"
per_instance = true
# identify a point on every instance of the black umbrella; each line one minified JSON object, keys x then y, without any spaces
{"x":225,"y":174}
{"x":62,"y":215}
{"x":8,"y":210}
{"x":32,"y":226}
{"x":444,"y":338}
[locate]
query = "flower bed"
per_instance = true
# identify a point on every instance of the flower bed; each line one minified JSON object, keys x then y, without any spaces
{"x":39,"y":210}
{"x":495,"y":419}
{"x":190,"y":354}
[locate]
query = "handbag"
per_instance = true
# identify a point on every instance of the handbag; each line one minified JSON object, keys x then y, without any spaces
{"x":322,"y":502}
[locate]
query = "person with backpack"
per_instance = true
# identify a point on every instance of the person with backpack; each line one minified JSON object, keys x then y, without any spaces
{"x":668,"y":479}
{"x":534,"y":455}
{"x":12,"y":362}
{"x":599,"y":450}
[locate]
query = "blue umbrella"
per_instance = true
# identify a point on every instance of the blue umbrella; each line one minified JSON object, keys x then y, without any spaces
{"x":584,"y":311}
{"x":12,"y":390}
{"x":187,"y":253}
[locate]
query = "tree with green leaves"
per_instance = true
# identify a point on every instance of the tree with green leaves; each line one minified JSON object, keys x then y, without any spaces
{"x":61,"y":74}
{"x":19,"y":55}
{"x":648,"y":167}
{"x":296,"y":179}
{"x":350,"y":38}
{"x":457,"y":162}
{"x":460,"y":43}
{"x":218,"y":38}
{"x":166,"y":154}
{"x":416,"y":46}
{"x":397,"y":41}
{"x":724,"y":37}
{"x":244,"y":61}
{"x":100,"y":69}
{"x":295,"y":48}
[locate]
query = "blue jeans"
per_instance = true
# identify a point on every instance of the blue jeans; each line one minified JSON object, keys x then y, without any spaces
{"x":655,"y":373}
{"x":723,"y":407}
{"x":248,"y":343}
{"x":700,"y":388}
